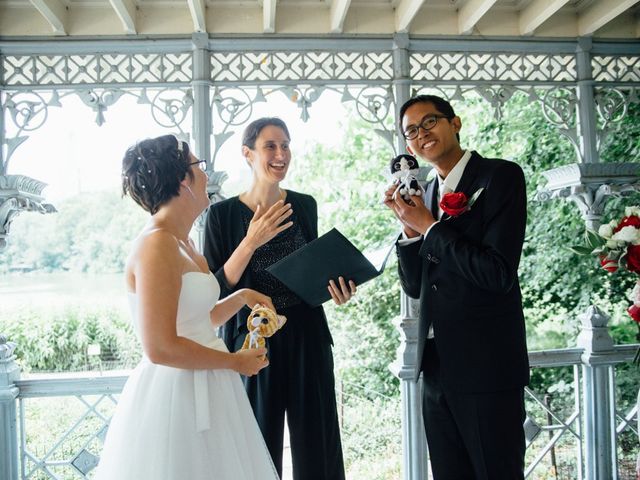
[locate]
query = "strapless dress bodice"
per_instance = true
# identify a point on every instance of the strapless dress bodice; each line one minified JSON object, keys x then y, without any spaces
{"x":198,"y":295}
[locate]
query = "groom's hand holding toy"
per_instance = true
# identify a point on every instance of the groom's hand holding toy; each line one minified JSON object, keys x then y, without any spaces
{"x":415,"y":218}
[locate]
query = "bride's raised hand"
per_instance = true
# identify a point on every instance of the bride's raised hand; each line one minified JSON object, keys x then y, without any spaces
{"x":250,"y":362}
{"x":268,"y":223}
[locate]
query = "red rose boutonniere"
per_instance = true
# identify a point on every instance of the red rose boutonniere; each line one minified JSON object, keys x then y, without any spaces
{"x":456,"y":203}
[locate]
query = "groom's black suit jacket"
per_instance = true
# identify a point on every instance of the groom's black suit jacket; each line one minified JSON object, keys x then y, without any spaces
{"x":465,"y":275}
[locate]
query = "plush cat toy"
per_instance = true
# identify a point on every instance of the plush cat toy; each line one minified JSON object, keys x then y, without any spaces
{"x":404,"y":169}
{"x":262,"y":322}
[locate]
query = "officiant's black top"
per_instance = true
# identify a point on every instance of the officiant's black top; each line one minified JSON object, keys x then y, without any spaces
{"x":226,"y":225}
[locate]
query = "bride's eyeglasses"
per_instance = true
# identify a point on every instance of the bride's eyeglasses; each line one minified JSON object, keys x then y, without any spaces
{"x":202,"y":164}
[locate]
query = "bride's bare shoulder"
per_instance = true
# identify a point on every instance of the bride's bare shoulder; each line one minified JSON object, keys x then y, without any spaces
{"x":153,"y":245}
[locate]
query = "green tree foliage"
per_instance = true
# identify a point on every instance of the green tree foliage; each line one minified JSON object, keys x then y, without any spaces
{"x":91,"y":232}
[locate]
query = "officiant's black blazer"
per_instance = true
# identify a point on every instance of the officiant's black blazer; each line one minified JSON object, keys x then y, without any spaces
{"x":465,"y":274}
{"x":225,"y":231}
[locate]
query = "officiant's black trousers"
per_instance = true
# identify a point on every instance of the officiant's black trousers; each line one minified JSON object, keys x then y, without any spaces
{"x":471,"y":436}
{"x":300,"y":381}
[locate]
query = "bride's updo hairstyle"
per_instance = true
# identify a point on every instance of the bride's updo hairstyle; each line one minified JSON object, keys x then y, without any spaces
{"x":153,"y":169}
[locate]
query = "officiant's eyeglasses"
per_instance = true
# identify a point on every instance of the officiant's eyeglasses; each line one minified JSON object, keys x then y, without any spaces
{"x":427,"y":123}
{"x":202,"y":165}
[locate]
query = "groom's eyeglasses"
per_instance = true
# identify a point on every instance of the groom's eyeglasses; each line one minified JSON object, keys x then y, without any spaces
{"x":427,"y":123}
{"x":202,"y":164}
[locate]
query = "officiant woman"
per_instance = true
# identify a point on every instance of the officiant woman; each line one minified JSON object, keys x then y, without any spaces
{"x":244,"y":235}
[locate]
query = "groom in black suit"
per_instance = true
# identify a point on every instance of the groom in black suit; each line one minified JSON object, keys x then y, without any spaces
{"x":460,"y":257}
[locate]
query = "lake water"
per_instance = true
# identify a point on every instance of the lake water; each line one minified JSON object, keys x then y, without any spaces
{"x":57,"y":289}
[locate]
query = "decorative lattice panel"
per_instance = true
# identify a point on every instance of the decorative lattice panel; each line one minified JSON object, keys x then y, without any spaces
{"x":307,"y":66}
{"x":62,"y":437}
{"x":51,"y":70}
{"x":617,"y":68}
{"x":498,"y":67}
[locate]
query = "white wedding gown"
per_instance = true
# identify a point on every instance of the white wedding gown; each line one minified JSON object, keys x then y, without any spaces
{"x":175,"y":424}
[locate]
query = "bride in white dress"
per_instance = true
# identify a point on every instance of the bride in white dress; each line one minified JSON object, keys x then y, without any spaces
{"x":183,"y":413}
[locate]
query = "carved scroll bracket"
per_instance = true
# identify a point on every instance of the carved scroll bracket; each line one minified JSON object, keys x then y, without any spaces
{"x":590,"y":185}
{"x":19,"y":193}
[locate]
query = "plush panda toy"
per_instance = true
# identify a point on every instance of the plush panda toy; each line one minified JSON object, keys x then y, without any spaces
{"x":404,"y":170}
{"x":262,"y":322}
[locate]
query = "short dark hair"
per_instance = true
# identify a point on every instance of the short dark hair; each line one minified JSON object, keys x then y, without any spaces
{"x":252,"y":132}
{"x":153,"y":169}
{"x":442,"y":106}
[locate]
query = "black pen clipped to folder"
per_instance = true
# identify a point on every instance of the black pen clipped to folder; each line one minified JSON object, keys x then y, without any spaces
{"x":307,"y":271}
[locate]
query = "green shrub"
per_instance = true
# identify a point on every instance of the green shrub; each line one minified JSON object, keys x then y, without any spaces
{"x":56,"y":339}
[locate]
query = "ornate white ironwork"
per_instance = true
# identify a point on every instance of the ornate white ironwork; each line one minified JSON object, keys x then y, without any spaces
{"x":616,"y":68}
{"x":375,"y":105}
{"x":559,"y":108}
{"x":28,"y":112}
{"x":495,"y":96}
{"x":170,"y":108}
{"x":589,"y":185}
{"x":46,"y":71}
{"x":612,"y":105}
{"x":492,"y":67}
{"x":19,"y":193}
{"x":278,"y":66}
{"x":563,"y":425}
{"x":85,"y":435}
{"x":99,"y":101}
{"x":234,"y":106}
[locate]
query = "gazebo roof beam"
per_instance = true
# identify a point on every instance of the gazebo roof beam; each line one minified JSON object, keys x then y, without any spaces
{"x":54,"y":12}
{"x":269,"y":16}
{"x":126,"y":11}
{"x":471,"y":13}
{"x":197,"y":9}
{"x":405,"y":13}
{"x":538,"y":12}
{"x":338,"y":13}
{"x":602,"y":13}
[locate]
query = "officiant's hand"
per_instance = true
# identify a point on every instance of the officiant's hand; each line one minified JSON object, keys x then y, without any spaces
{"x":266,"y":224}
{"x":249,"y":362}
{"x":390,"y":202}
{"x":341,"y":293}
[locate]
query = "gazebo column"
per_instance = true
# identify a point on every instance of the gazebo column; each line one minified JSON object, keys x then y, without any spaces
{"x":9,"y":373}
{"x":201,"y":100}
{"x":587,"y":125}
{"x":3,"y":160}
{"x":201,"y":113}
{"x":414,"y":447}
{"x":599,"y":396}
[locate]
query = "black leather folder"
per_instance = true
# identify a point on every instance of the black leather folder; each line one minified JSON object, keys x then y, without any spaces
{"x":307,"y":271}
